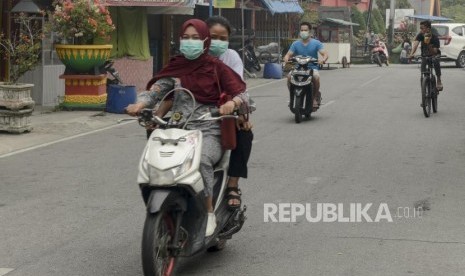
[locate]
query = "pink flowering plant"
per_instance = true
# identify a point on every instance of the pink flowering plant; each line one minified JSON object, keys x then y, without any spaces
{"x":22,"y":49}
{"x":81,"y":21}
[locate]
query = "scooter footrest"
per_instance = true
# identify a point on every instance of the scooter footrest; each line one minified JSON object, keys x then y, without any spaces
{"x":235,"y":225}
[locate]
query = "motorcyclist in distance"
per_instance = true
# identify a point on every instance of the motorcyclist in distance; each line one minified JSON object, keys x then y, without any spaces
{"x":310,"y":47}
{"x":380,"y":44}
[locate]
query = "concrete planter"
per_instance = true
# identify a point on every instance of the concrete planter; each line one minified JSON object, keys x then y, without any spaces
{"x":15,"y":121}
{"x":16,"y":106}
{"x":16,"y":96}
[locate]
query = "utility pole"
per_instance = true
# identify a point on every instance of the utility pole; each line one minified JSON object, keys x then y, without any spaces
{"x":391,"y":22}
{"x":370,"y":8}
{"x":210,"y":8}
{"x":367,"y":31}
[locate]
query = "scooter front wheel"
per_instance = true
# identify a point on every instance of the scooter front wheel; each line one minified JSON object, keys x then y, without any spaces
{"x":158,"y":234}
{"x":378,"y":61}
{"x":297,"y":110}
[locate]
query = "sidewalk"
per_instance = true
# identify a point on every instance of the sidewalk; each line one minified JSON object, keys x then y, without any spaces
{"x":50,"y":126}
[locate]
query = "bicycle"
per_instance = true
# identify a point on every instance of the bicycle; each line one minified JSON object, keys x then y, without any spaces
{"x":429,"y":92}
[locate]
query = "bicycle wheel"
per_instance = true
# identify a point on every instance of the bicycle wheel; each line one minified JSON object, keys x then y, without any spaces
{"x":434,"y":97}
{"x":426,"y":96}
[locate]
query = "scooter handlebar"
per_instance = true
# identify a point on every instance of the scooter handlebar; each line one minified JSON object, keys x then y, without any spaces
{"x":215,"y":112}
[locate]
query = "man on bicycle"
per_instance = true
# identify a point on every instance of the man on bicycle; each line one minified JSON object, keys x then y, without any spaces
{"x":429,"y":47}
{"x":310,"y":47}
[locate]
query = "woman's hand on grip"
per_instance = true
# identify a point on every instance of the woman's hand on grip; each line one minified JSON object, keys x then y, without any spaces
{"x":134,"y":109}
{"x":227,"y":108}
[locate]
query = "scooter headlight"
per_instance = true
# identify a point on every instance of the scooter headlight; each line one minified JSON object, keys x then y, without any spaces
{"x":301,"y":80}
{"x":161,"y":177}
{"x":185,"y":166}
{"x":166,"y":177}
{"x":303,"y":61}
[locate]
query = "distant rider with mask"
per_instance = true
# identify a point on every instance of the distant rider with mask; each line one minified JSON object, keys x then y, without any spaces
{"x":310,"y":47}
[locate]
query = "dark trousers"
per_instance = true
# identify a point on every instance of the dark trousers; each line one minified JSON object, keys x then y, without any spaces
{"x":240,"y":155}
{"x":436,"y":65}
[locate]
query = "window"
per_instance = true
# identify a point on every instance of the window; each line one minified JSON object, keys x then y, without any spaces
{"x":458,"y":30}
{"x":441,"y":30}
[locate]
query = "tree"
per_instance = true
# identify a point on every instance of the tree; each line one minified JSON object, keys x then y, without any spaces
{"x":456,"y":13}
{"x":22,"y":49}
{"x":357,"y":17}
{"x":373,"y":24}
{"x":377,"y":22}
{"x":451,"y":3}
{"x":309,"y":15}
{"x":376,"y":15}
{"x":453,"y":9}
{"x":385,"y":4}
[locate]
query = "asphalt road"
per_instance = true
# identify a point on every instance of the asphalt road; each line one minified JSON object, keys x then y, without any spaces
{"x":73,"y":208}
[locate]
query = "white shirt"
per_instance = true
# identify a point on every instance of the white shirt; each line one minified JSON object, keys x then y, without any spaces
{"x":234,"y":61}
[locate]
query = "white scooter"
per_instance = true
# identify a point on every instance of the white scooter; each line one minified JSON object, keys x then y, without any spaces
{"x":172,"y":188}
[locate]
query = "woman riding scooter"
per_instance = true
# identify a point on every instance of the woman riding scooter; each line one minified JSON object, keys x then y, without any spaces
{"x":199,"y":72}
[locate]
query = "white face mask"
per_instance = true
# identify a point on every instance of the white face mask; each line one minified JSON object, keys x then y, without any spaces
{"x":304,"y":34}
{"x":218,"y":47}
{"x":191,"y":48}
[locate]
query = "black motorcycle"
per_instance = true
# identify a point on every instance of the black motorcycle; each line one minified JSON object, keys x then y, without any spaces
{"x":301,"y":92}
{"x":250,"y":59}
{"x":107,"y":68}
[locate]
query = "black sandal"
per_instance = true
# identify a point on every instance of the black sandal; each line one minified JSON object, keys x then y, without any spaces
{"x":230,"y":196}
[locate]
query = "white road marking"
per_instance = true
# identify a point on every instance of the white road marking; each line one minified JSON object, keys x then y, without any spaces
{"x":90,"y":132}
{"x":370,"y":81}
{"x":313,"y":180}
{"x":4,"y":271}
{"x":61,"y":140}
{"x":260,"y":85}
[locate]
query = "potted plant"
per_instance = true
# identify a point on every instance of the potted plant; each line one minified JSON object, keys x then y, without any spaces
{"x":82,"y":26}
{"x":21,"y":51}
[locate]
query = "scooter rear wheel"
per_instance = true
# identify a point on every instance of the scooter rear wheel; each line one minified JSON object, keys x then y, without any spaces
{"x":220,"y":245}
{"x":157,"y":258}
{"x":378,"y":61}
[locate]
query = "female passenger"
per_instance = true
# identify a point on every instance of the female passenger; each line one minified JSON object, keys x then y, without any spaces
{"x":220,"y":30}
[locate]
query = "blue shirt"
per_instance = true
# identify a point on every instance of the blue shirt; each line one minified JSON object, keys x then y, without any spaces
{"x":309,"y":50}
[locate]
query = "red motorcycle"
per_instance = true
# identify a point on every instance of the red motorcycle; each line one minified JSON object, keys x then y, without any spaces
{"x":378,"y":54}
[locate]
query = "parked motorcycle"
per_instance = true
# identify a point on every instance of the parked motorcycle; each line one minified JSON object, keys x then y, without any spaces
{"x":107,"y":68}
{"x":378,"y":56}
{"x":268,"y":53}
{"x":301,"y":92}
{"x":250,"y":61}
{"x":172,"y":188}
